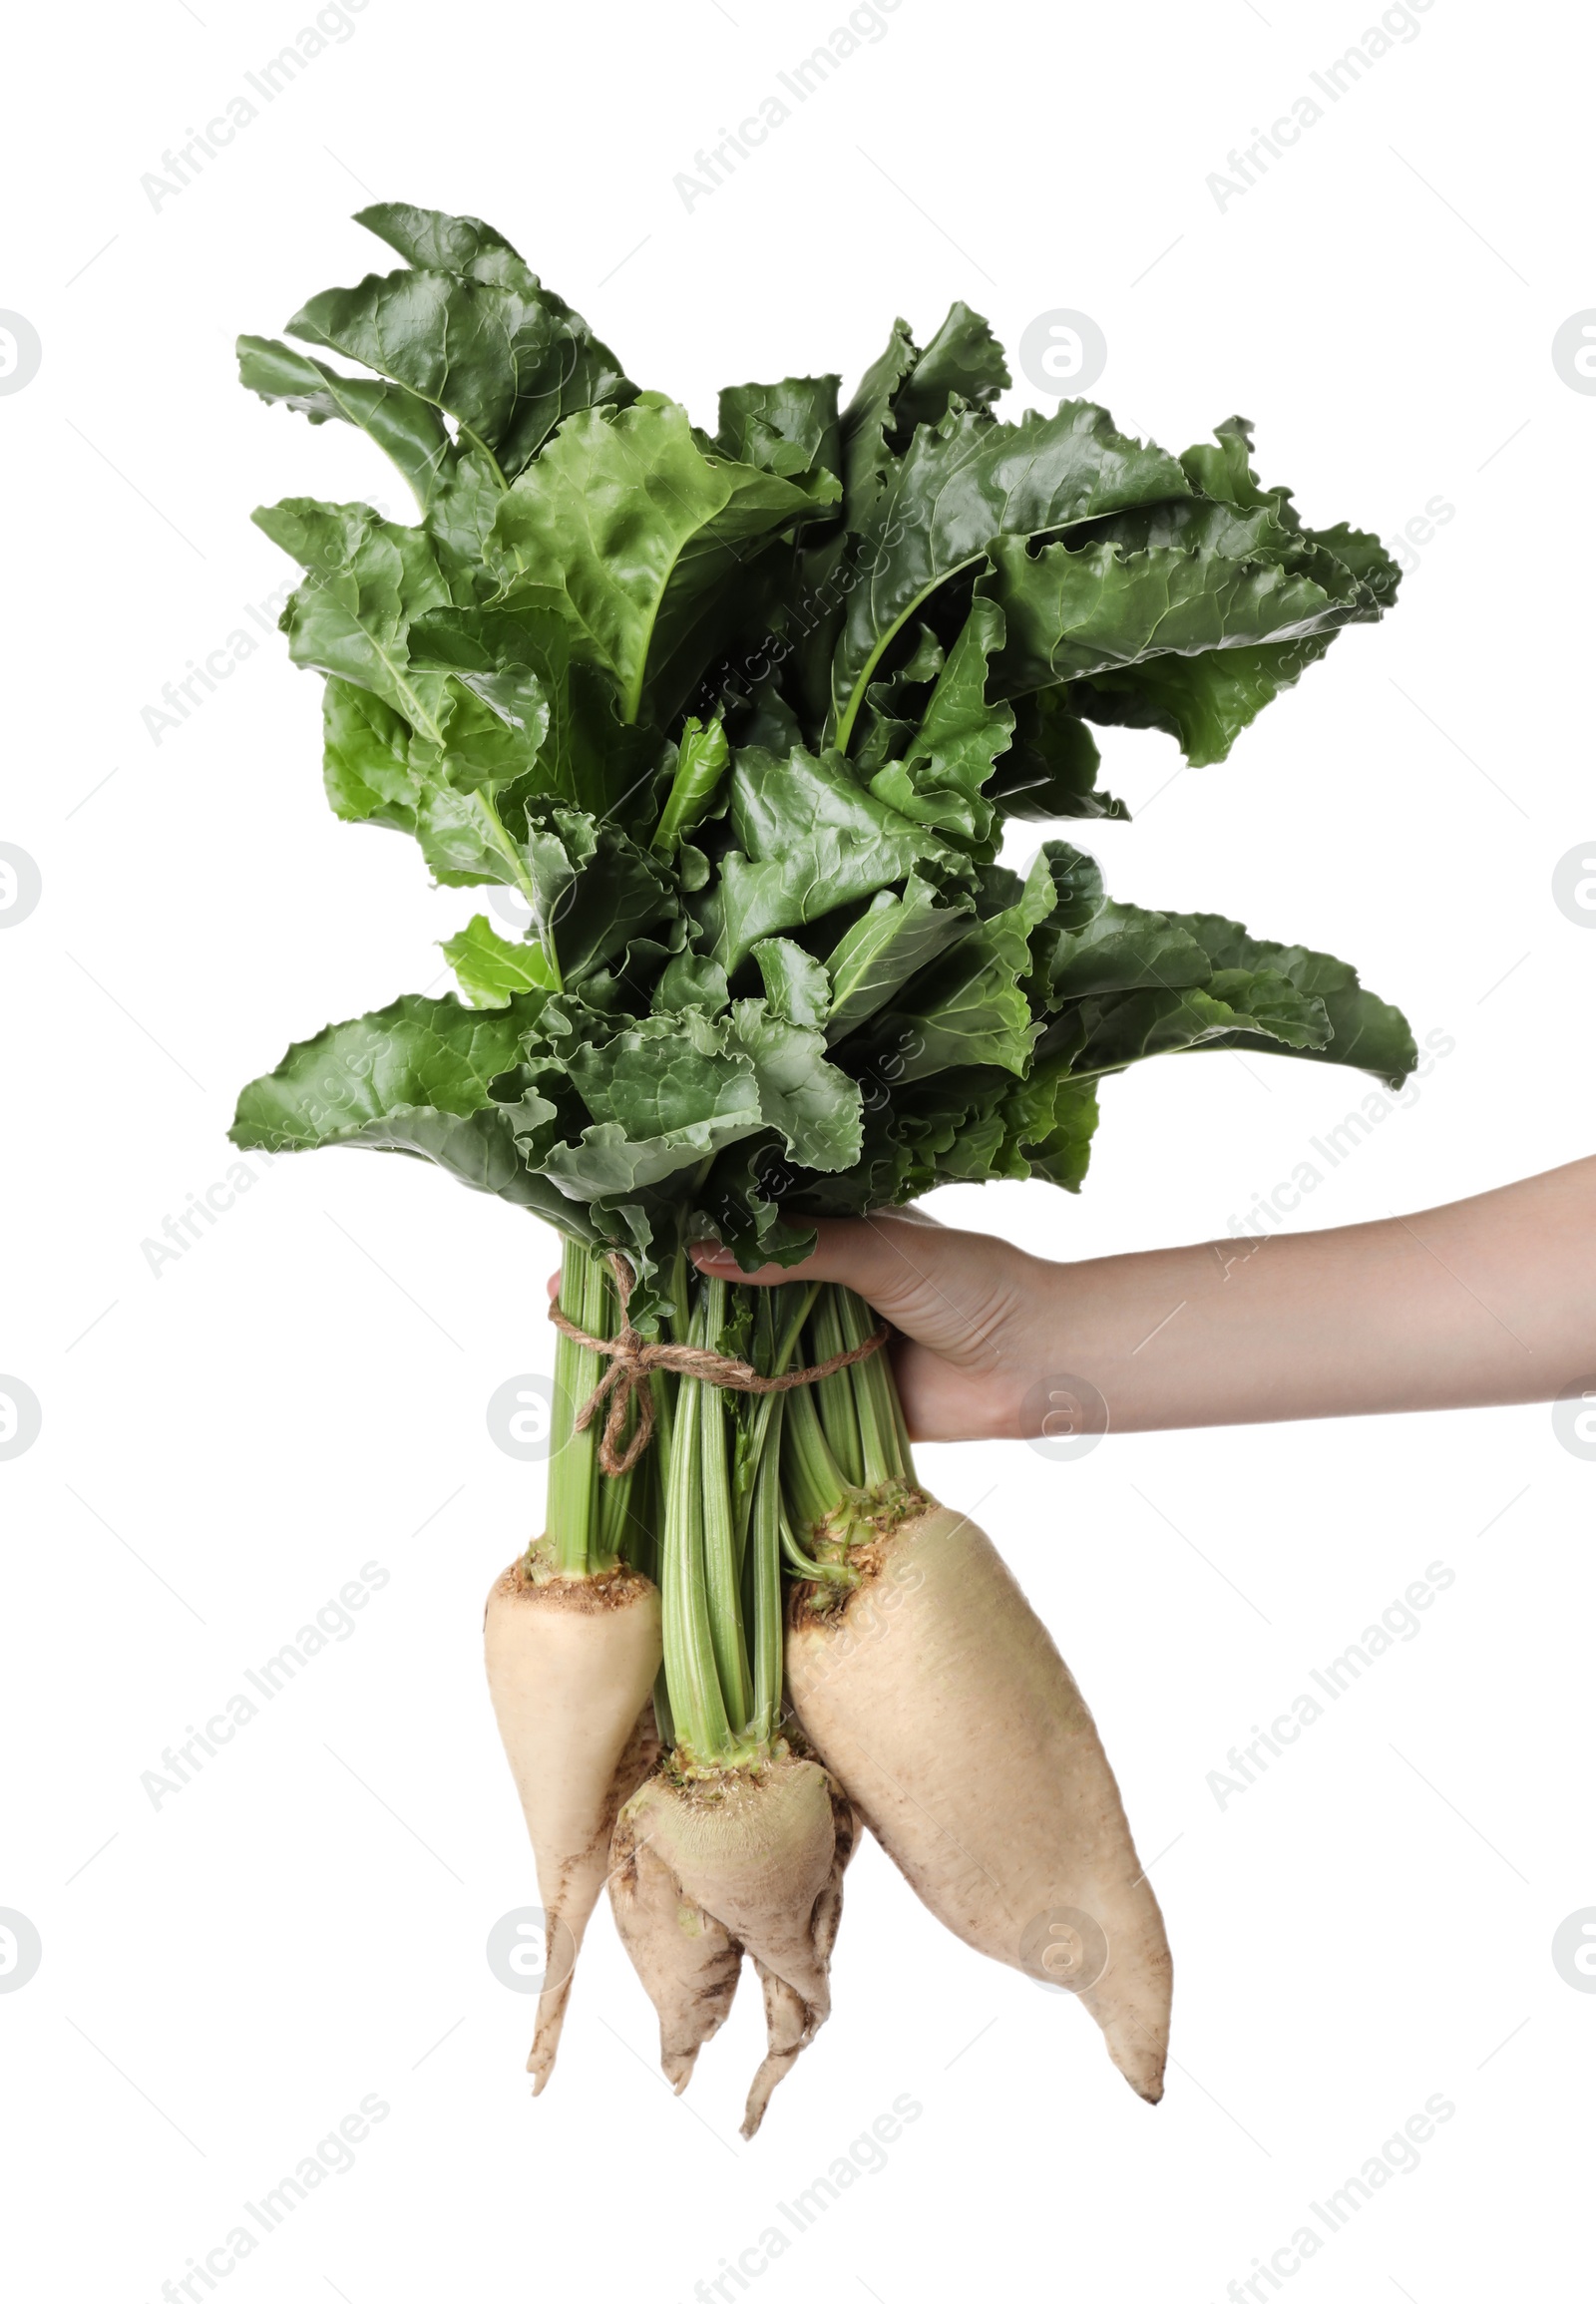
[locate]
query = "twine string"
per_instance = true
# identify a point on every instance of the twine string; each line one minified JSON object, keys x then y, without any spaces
{"x":632,"y":1360}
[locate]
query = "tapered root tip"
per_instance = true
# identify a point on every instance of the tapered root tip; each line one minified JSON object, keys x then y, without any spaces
{"x":541,"y":2063}
{"x":1142,"y":2066}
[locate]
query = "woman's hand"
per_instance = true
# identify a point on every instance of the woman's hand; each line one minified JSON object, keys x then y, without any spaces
{"x":1484,"y":1301}
{"x":976,"y":1320}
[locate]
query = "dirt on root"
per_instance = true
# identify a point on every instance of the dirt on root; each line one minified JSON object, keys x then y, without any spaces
{"x":615,"y":1587}
{"x":810,"y":1604}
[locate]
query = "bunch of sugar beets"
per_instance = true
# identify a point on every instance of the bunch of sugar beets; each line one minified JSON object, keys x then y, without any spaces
{"x":732,"y":724}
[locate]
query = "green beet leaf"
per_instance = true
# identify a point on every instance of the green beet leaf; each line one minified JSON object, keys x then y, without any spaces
{"x":959,"y":487}
{"x":506,"y":357}
{"x":647,"y":536}
{"x":738,"y":723}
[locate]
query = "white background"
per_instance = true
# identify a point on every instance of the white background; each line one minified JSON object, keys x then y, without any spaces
{"x":227,"y":1442}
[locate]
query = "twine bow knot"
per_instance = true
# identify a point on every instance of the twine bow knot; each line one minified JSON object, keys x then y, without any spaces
{"x":633,"y":1361}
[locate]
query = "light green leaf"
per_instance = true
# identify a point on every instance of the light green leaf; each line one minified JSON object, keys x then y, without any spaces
{"x":663,"y":1099}
{"x":493,"y":972}
{"x":789,"y":428}
{"x":796,"y":987}
{"x":367,"y":581}
{"x":690,"y":980}
{"x":366,"y":763}
{"x":814,"y":1105}
{"x":648,"y":536}
{"x":903,"y":931}
{"x":702,"y":758}
{"x":509,"y":656}
{"x":811,"y":840}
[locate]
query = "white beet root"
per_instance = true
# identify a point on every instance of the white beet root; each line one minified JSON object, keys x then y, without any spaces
{"x":685,"y":1959}
{"x":937,"y":1699}
{"x":570,"y":1670}
{"x":705,"y":1869}
{"x":791,"y":2022}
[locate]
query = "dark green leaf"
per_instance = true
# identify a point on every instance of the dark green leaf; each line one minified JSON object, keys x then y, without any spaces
{"x":940,"y":779}
{"x":1365,"y":1031}
{"x":1049,"y":1121}
{"x":867,"y":421}
{"x":405,"y":427}
{"x":1051,"y":768}
{"x":437,"y":243}
{"x":960,"y":486}
{"x":1204,"y":702}
{"x":972,"y":1007}
{"x":1072,"y":613}
{"x":504,"y":355}
{"x":964,"y":361}
{"x":796,"y":987}
{"x":1125,"y":949}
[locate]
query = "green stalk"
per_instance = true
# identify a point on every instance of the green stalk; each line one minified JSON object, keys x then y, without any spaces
{"x":835,"y":1394}
{"x":587,"y":1298}
{"x":765,"y":1539}
{"x":625,"y":1529}
{"x":840,"y":734}
{"x":718,"y":1522}
{"x":812,"y":1571}
{"x":814,"y":1484}
{"x":692,"y":1678}
{"x":884,"y":1443}
{"x":791,"y":1306}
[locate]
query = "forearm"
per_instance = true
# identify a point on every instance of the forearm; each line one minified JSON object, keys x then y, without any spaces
{"x":1486,"y":1301}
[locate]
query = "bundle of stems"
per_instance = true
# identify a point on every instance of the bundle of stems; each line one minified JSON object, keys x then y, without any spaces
{"x":736,"y":1493}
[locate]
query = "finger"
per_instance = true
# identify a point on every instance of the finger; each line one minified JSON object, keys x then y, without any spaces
{"x":862,"y":1252}
{"x":553,"y":1286}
